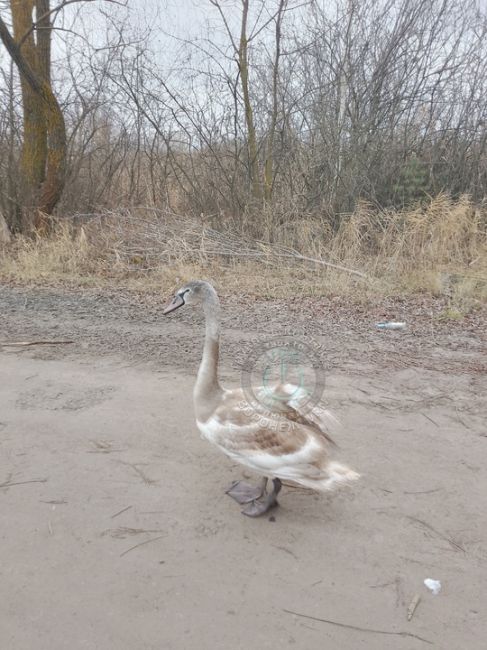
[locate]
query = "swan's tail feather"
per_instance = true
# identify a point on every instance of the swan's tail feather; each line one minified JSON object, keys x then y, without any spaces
{"x":335,"y":476}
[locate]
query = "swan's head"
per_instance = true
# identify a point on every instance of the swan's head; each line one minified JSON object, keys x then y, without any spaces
{"x":193,"y":293}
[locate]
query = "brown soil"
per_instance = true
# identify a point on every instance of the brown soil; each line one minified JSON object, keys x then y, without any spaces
{"x":116,"y":533}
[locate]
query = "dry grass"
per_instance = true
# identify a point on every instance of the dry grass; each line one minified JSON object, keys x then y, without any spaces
{"x":440,"y":248}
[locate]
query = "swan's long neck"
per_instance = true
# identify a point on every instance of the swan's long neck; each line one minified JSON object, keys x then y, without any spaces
{"x":207,"y":387}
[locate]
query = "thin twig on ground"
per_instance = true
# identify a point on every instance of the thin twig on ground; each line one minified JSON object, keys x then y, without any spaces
{"x":36,"y":480}
{"x":120,"y":512}
{"x":430,"y":419}
{"x":423,"y":491}
{"x":358,"y":628}
{"x":28,"y":343}
{"x":445,"y":538}
{"x":148,"y":541}
{"x":412,"y":606}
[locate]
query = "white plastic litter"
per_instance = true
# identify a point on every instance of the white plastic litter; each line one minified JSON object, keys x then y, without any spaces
{"x":433,"y":585}
{"x":390,"y":325}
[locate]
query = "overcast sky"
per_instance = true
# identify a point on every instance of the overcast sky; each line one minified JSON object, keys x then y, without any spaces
{"x":185,"y":19}
{"x":168,"y":20}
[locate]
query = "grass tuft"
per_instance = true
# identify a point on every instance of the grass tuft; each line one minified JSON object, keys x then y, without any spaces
{"x":439,"y":248}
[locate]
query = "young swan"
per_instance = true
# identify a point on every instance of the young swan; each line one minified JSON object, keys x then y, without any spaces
{"x":298,"y":449}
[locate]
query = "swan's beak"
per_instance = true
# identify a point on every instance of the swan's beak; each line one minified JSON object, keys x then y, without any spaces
{"x":176,"y":302}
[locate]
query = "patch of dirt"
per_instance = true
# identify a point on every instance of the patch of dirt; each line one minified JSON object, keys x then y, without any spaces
{"x":68,"y":397}
{"x":133,"y":325}
{"x":117,"y":534}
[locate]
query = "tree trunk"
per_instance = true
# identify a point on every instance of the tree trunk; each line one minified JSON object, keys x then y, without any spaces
{"x":34,"y":144}
{"x":269,"y":161}
{"x":243,"y":63}
{"x":4,"y":231}
{"x":43,"y":159}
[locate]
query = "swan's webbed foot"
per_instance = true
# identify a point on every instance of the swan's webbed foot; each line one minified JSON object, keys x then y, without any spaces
{"x":243,"y":492}
{"x":259,"y":507}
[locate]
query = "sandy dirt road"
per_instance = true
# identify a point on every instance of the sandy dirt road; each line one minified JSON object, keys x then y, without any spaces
{"x":115,"y":533}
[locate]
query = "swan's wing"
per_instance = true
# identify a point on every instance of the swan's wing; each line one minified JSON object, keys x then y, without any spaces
{"x":267,"y":448}
{"x":292,"y":403}
{"x":292,"y":446}
{"x":236,"y":427}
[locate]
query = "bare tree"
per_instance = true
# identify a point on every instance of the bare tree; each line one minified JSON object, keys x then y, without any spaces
{"x":44,"y":137}
{"x":292,"y":110}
